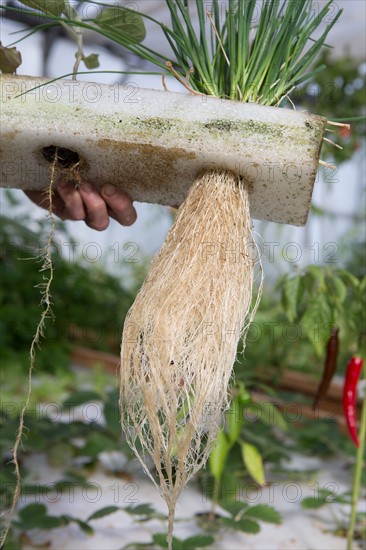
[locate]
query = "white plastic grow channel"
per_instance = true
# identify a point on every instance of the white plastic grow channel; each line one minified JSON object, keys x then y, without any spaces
{"x":153,"y":144}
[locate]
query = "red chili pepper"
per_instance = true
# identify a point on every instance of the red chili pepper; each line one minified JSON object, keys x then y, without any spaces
{"x":330,"y":365}
{"x":354,"y":368}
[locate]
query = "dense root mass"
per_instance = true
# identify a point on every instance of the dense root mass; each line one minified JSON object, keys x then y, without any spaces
{"x":181,"y":335}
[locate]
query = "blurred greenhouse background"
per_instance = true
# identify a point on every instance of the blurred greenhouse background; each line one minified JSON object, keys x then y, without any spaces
{"x":75,"y":443}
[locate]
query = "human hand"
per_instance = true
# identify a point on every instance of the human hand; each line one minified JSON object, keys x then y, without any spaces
{"x":86,"y":203}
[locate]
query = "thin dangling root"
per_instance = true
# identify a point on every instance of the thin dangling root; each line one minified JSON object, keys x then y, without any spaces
{"x":45,"y":256}
{"x":180,"y":337}
{"x":327,"y":165}
{"x":47,"y":265}
{"x":333,"y":143}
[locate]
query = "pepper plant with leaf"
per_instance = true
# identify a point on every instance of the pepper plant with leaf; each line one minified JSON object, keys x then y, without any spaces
{"x":323,"y":298}
{"x":238,"y":453}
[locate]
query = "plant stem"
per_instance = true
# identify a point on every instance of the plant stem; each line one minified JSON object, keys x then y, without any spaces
{"x":77,"y":35}
{"x":357,"y":474}
{"x":215,"y":497}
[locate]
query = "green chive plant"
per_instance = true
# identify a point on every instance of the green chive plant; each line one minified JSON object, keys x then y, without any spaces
{"x":258,"y":52}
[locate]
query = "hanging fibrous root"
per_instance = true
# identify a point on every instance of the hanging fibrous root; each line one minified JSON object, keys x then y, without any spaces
{"x":181,"y":335}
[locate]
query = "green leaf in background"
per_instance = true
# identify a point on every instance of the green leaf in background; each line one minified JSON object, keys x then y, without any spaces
{"x":48,"y":523}
{"x":161,"y":540}
{"x":91,"y":61}
{"x":317,"y":322}
{"x":119,"y":19}
{"x":192,"y":543}
{"x":53,"y":7}
{"x":197,"y":541}
{"x":234,"y":421}
{"x":87,"y":529}
{"x":80,"y":397}
{"x":325,"y":496}
{"x":362,"y":286}
{"x":349,"y":278}
{"x":336,"y":289}
{"x":140,"y":510}
{"x":243,"y":395}
{"x":244,"y":524}
{"x":112,"y":414}
{"x":34,"y":516}
{"x":269,"y":414}
{"x":97,"y":443}
{"x":313,"y":503}
{"x":291,"y":296}
{"x":316,"y":273}
{"x":263,"y":512}
{"x":218,"y":456}
{"x":106,"y":511}
{"x":60,"y":454}
{"x":10,"y":59}
{"x":234,"y":507}
{"x":32,"y":511}
{"x":253,"y":462}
